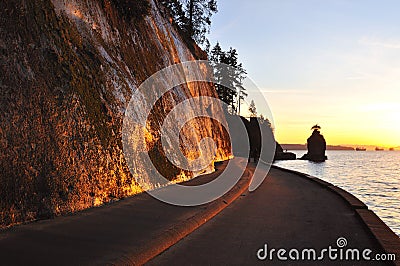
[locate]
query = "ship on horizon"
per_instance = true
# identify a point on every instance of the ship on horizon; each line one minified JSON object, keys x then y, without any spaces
{"x":361,"y":149}
{"x":379,"y":149}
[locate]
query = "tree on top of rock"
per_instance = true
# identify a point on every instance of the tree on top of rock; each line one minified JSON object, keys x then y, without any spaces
{"x":253,"y":109}
{"x":316,"y":127}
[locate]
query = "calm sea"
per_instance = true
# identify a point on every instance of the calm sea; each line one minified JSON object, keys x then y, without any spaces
{"x":372,"y":176}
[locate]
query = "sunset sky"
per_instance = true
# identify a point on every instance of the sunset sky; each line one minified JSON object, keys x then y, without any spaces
{"x":334,"y":62}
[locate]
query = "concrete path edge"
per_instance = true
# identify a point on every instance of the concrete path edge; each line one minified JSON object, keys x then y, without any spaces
{"x":183,"y":228}
{"x":387,"y":239}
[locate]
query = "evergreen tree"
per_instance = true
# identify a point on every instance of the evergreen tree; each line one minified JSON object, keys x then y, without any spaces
{"x":232,"y":90}
{"x":253,"y":109}
{"x":199,"y":13}
{"x":263,"y":120}
{"x":193,"y":16}
{"x":175,"y":9}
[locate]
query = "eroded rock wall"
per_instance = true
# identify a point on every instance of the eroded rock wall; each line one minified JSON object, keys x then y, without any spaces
{"x":68,"y":70}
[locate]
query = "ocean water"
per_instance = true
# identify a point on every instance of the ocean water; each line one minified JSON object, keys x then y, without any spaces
{"x":372,"y":176}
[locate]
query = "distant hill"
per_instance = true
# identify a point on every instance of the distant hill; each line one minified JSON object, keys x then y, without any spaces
{"x":339,"y":148}
{"x":294,"y":146}
{"x":372,"y":147}
{"x":304,"y":147}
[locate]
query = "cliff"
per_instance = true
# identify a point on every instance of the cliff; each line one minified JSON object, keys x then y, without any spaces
{"x":68,"y":70}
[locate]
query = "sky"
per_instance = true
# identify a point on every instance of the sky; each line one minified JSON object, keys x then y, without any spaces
{"x":331,"y":62}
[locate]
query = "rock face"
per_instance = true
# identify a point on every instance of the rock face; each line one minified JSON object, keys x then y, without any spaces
{"x":254,"y":132}
{"x":68,"y":69}
{"x":282,"y":155}
{"x":260,"y":143}
{"x":316,"y":146}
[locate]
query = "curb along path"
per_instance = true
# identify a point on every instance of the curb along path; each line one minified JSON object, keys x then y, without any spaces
{"x":288,"y":211}
{"x":129,"y":232}
{"x":183,"y":228}
{"x":386,"y":238}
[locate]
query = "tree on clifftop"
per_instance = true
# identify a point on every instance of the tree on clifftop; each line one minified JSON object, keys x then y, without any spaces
{"x":199,"y":13}
{"x":175,"y":9}
{"x":193,"y":16}
{"x":253,"y":109}
{"x":229,"y":80}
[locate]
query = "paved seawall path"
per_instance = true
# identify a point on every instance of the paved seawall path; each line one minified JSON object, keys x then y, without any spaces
{"x":287,"y":211}
{"x":128,"y":232}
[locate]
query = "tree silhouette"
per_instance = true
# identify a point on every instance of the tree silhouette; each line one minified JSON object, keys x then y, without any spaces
{"x":193,"y":16}
{"x":253,"y":109}
{"x":176,"y":10}
{"x":316,"y":127}
{"x":265,"y":121}
{"x":232,"y":90}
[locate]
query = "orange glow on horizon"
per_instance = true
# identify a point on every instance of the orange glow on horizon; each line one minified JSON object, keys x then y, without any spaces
{"x":350,"y":137}
{"x":363,"y":121}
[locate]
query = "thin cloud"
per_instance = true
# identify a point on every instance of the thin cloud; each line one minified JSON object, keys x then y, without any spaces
{"x":284,"y":91}
{"x":390,"y":44}
{"x":357,"y":76}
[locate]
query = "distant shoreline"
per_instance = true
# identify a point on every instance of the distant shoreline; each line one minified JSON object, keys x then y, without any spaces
{"x":301,"y":147}
{"x":304,"y":147}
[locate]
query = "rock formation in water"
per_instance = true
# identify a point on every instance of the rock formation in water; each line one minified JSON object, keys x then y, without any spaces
{"x":68,"y":69}
{"x":316,"y":146}
{"x":280,"y":154}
